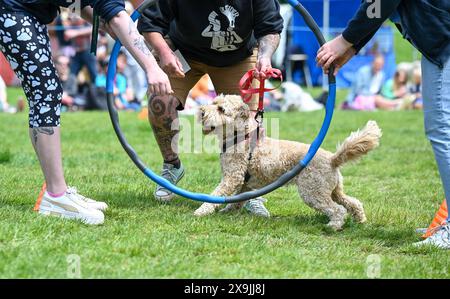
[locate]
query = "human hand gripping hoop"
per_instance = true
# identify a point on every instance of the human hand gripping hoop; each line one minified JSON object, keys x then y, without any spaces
{"x":206,"y":197}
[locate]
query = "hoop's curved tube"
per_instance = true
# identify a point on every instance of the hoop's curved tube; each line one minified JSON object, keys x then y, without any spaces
{"x":206,"y":197}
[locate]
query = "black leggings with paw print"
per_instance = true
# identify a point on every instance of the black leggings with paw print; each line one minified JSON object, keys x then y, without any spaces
{"x":25,"y":43}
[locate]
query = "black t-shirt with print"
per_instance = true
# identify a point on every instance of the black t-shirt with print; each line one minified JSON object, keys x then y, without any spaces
{"x":215,"y":32}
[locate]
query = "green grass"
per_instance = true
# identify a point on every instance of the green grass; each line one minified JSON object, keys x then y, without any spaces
{"x":403,"y":50}
{"x":398,"y":183}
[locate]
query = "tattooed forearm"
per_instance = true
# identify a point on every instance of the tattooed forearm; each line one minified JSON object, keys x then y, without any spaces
{"x":268,"y":45}
{"x":46,"y":131}
{"x":140,"y":44}
{"x":138,"y":40}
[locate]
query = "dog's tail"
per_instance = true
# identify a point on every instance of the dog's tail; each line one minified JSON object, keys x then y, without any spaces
{"x":357,"y":144}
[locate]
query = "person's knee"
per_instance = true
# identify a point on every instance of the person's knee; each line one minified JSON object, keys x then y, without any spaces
{"x":162,"y":105}
{"x":45,"y":110}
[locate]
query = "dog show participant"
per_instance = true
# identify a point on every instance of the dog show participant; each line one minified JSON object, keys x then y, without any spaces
{"x":426,"y":24}
{"x":321,"y":184}
{"x":221,"y":38}
{"x":25,"y":42}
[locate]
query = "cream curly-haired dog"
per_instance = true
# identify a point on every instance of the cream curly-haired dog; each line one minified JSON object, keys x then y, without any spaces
{"x":320,"y":184}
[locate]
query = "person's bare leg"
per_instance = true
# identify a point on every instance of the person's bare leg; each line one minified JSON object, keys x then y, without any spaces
{"x":383,"y":104}
{"x":162,"y":112}
{"x":47,"y":145}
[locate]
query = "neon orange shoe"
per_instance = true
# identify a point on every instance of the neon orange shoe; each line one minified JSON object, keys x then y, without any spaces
{"x":439,"y":219}
{"x":39,"y":199}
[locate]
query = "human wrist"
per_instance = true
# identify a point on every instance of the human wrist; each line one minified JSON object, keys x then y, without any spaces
{"x":345,"y":40}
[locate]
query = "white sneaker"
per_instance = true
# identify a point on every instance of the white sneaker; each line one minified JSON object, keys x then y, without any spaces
{"x":98,"y":205}
{"x":440,"y":239}
{"x":70,"y":206}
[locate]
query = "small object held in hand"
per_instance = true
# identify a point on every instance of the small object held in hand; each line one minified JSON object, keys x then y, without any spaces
{"x":184,"y":63}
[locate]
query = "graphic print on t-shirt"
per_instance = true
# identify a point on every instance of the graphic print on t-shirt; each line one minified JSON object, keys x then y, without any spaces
{"x":223,"y":40}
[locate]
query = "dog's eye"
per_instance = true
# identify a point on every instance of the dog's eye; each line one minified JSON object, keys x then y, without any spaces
{"x":220,"y":109}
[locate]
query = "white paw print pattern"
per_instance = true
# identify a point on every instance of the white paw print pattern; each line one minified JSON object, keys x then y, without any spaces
{"x":51,"y":84}
{"x":42,"y":55}
{"x":48,"y":98}
{"x":37,"y":94}
{"x":24,"y":34}
{"x":27,"y":89}
{"x":6,"y":36}
{"x":24,"y":56}
{"x":42,"y":39}
{"x":25,"y":21}
{"x":43,"y":108}
{"x":57,"y":112}
{"x":8,"y":20}
{"x":39,"y":27}
{"x":29,"y":66}
{"x":48,"y":120}
{"x":35,"y":81}
{"x":14,"y":48}
{"x":20,"y":76}
{"x":31,"y":47}
{"x":12,"y":62}
{"x":33,"y":121}
{"x":46,"y":72}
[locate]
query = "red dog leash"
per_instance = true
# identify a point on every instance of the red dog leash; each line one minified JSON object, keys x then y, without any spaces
{"x":247,"y":91}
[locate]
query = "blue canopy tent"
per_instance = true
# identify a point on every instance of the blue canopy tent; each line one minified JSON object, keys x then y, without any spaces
{"x":333,"y":16}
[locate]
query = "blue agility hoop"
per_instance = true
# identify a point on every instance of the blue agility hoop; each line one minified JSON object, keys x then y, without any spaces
{"x":281,"y":181}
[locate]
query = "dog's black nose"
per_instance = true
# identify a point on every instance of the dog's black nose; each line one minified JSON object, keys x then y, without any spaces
{"x":203,"y":114}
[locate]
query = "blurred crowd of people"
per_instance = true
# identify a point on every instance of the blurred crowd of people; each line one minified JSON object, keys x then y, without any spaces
{"x":371,"y":90}
{"x":83,"y":77}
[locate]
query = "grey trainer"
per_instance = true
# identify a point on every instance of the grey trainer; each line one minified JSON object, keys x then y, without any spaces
{"x":173,"y":175}
{"x":256,"y":207}
{"x":440,"y":239}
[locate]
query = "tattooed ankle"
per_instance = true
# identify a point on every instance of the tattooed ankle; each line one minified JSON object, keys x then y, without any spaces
{"x":175,"y":162}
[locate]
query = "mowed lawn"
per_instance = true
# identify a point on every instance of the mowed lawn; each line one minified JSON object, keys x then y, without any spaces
{"x":398,"y":184}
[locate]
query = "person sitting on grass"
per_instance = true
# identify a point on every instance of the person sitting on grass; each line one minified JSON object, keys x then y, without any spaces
{"x":71,"y":100}
{"x":395,"y":94}
{"x":123,"y":94}
{"x":415,"y":88}
{"x":366,"y":86}
{"x":26,"y":45}
{"x":426,"y":24}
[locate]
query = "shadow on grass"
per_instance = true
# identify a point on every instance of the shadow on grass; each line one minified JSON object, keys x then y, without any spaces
{"x":145,"y":199}
{"x":312,"y":223}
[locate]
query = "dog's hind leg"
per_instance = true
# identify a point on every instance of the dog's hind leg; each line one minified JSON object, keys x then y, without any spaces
{"x":322,"y":202}
{"x":353,"y":205}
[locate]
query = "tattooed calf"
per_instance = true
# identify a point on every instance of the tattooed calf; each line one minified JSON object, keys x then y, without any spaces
{"x":44,"y":130}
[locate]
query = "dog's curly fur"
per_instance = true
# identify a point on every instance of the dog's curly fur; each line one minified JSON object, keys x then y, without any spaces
{"x":320,"y":184}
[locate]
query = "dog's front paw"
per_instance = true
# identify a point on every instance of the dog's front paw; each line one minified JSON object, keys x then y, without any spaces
{"x":205,"y":209}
